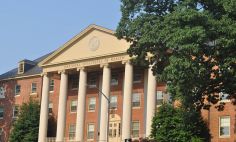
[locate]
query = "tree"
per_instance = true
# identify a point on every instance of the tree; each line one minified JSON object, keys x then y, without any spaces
{"x":26,"y":126}
{"x":178,"y":125}
{"x":190,"y":43}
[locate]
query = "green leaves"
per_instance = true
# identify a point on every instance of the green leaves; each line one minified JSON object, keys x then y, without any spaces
{"x":26,"y":126}
{"x":193,"y":43}
{"x":178,"y":125}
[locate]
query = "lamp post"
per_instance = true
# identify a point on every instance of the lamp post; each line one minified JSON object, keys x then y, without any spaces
{"x":108,"y":102}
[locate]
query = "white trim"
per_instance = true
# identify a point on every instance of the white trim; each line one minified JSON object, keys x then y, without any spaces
{"x":224,"y":136}
{"x":20,"y":77}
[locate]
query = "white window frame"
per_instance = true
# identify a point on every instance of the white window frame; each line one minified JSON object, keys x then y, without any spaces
{"x":116,"y":102}
{"x":92,"y":110}
{"x":51,"y":85}
{"x":88,"y":131}
{"x":136,"y":130}
{"x":2,"y":92}
{"x":138,"y":73}
{"x":162,"y":100}
{"x":14,"y":110}
{"x":71,"y":105}
{"x":224,"y":136}
{"x":72,"y":132}
{"x":2,"y":111}
{"x":16,"y":92}
{"x":74,"y":79}
{"x":32,"y":85}
{"x":225,"y":95}
{"x":92,"y":81}
{"x":133,"y":94}
{"x":114,"y":79}
{"x":50,"y":107}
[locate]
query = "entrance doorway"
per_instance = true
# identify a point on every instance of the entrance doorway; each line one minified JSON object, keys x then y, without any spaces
{"x":115,"y":128}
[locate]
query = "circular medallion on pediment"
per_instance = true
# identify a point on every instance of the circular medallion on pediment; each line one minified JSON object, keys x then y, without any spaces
{"x":94,"y":43}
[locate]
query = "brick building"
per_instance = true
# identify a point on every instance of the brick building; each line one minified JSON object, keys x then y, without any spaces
{"x":73,"y":85}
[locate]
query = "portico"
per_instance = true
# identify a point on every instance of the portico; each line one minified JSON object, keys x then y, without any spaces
{"x":95,"y":49}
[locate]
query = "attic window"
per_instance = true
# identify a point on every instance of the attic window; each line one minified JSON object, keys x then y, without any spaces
{"x":21,"y":68}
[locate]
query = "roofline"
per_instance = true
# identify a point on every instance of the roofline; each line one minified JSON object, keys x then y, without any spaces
{"x":19,"y":77}
{"x":66,"y":45}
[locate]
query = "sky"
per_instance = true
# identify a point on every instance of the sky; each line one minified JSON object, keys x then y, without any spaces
{"x":32,"y":28}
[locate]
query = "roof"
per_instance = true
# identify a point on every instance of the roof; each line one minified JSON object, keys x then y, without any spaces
{"x":33,"y":71}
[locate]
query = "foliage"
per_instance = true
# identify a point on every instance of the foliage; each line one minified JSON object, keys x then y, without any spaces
{"x":26,"y":126}
{"x":192,"y":44}
{"x":178,"y":125}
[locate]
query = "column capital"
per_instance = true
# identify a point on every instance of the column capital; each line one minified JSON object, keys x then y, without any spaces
{"x":62,"y":72}
{"x":80,"y":68}
{"x":104,"y":65}
{"x":44,"y":74}
{"x":126,"y":61}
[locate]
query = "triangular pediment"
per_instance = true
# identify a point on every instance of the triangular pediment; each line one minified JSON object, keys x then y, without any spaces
{"x":93,"y":42}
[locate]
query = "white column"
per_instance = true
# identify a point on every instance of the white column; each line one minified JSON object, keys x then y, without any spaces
{"x":104,"y":120}
{"x":128,"y":86}
{"x":79,"y":135}
{"x":151,"y":101}
{"x":62,"y":107}
{"x":43,"y":124}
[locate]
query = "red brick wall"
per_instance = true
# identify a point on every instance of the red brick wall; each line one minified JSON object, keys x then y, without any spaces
{"x":11,"y":100}
{"x":92,"y":117}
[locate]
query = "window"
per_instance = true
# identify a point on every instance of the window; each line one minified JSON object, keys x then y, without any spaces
{"x":92,"y":81}
{"x":33,"y":88}
{"x":223,"y":97}
{"x":114,"y":79}
{"x":2,"y":92}
{"x":137,"y":78}
{"x":90,"y":133}
{"x":74,"y":80}
{"x":73,"y":106}
{"x":159,"y":100}
{"x":136,"y":100}
{"x":17,"y":90}
{"x":21,"y":68}
{"x":51,"y":85}
{"x":15,"y":111}
{"x":113,"y":102}
{"x":92,"y":104}
{"x":72,"y":132}
{"x":135,"y":129}
{"x":50,"y":106}
{"x":1,"y":112}
{"x":224,"y":126}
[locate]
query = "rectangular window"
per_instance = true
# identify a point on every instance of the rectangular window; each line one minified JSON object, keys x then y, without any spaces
{"x":160,"y":98}
{"x":2,"y":92}
{"x":224,"y":97}
{"x":1,"y":112}
{"x":92,"y":81}
{"x":113,"y":102}
{"x":135,"y":129}
{"x":137,"y":77}
{"x":224,"y":126}
{"x":72,"y":132}
{"x":15,"y":111}
{"x":114,"y":79}
{"x":74,"y":80}
{"x":73,"y":106}
{"x":51,"y":85}
{"x":17,"y":89}
{"x":33,"y":88}
{"x":90,"y":133}
{"x":136,"y":100}
{"x":50,"y":106}
{"x":92,"y":104}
